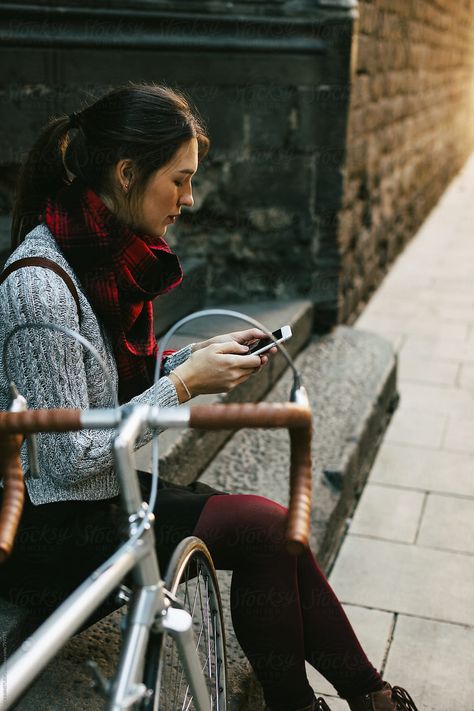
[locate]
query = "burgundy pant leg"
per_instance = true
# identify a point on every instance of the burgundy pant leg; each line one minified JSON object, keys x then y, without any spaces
{"x":283,"y":608}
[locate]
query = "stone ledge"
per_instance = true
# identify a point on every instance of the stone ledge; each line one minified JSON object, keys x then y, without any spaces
{"x":350,"y":376}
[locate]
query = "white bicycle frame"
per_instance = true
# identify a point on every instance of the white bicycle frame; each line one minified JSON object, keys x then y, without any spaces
{"x":149,"y":607}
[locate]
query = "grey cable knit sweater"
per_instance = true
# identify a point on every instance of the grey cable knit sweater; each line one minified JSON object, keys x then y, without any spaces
{"x":52,"y":370}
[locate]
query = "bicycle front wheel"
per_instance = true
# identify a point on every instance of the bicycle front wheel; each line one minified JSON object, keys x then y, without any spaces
{"x":191,"y":578}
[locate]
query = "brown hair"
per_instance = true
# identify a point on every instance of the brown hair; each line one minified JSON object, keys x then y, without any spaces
{"x":146,"y":123}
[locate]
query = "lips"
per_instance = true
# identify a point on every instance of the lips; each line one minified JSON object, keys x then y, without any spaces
{"x":172,"y":219}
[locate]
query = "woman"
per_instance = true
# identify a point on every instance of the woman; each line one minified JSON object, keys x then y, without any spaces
{"x":96,"y":196}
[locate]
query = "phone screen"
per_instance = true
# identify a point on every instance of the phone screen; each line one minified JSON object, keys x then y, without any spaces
{"x":266,"y":341}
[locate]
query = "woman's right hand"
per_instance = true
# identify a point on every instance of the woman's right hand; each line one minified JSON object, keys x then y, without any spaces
{"x":219,"y":367}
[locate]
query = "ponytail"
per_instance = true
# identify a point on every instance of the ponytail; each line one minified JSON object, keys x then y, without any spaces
{"x":42,"y":174}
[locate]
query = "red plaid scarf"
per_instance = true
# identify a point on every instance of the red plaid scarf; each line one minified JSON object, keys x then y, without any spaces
{"x":121,"y":273}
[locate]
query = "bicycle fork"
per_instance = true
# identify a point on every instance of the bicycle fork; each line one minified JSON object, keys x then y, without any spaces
{"x":124,"y":692}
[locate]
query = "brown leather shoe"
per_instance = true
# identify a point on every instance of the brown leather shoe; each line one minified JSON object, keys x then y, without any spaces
{"x":388,"y":698}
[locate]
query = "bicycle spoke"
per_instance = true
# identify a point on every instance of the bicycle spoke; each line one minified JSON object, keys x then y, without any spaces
{"x":214,"y":632}
{"x":208,"y":632}
{"x":192,"y":615}
{"x":194,"y":585}
{"x":202,"y":618}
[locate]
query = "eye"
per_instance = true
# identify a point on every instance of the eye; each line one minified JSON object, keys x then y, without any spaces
{"x":176,"y":182}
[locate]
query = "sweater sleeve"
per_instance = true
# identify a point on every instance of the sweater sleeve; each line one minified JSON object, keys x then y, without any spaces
{"x":49,"y":369}
{"x":172,"y":361}
{"x":164,"y":392}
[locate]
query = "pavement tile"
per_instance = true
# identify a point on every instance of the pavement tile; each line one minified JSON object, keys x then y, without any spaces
{"x":387,"y":512}
{"x":426,"y":347}
{"x":425,"y":296}
{"x":413,"y":326}
{"x":395,"y":280}
{"x":373,"y":629}
{"x":460,"y":435}
{"x":449,"y":299}
{"x":386,"y":305}
{"x":411,"y":426}
{"x":434,"y":662}
{"x":452,"y":283}
{"x":465,"y":314}
{"x":466,"y":376}
{"x":423,"y":468}
{"x":436,"y":399}
{"x":405,"y":578}
{"x":448,"y":522}
{"x":428,"y":370}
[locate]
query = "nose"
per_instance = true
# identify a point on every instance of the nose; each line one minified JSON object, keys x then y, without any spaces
{"x":187,"y":198}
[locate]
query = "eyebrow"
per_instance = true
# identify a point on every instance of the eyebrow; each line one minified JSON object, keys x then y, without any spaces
{"x":187,"y":170}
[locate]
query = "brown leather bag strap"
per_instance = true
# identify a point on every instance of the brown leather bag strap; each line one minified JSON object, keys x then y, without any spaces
{"x":47,"y":264}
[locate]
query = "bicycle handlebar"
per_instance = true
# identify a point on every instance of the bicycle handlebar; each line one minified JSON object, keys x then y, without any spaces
{"x":14,"y":491}
{"x":295,"y":417}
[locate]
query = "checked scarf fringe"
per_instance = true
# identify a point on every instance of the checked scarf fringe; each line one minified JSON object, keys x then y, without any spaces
{"x":121,"y":273}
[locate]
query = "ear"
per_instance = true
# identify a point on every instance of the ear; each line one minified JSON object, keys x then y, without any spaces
{"x":124,"y":173}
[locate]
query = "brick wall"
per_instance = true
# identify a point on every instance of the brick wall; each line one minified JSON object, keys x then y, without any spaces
{"x":411,"y":127}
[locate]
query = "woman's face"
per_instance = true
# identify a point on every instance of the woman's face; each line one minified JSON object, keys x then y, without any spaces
{"x":167,"y":190}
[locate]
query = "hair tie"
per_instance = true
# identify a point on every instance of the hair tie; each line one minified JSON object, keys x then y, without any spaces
{"x":74,"y":120}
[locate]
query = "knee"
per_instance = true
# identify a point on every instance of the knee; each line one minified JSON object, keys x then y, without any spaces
{"x":263,"y":525}
{"x":242,"y":528}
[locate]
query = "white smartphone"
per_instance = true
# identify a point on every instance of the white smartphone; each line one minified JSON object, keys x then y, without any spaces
{"x":264,"y":344}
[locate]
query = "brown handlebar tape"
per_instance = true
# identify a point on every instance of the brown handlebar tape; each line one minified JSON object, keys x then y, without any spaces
{"x":263,"y":414}
{"x":13,"y":491}
{"x":298,"y":420}
{"x":12,"y":427}
{"x":63,"y":420}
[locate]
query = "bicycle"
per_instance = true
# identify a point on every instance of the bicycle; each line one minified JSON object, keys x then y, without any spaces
{"x":159,"y":610}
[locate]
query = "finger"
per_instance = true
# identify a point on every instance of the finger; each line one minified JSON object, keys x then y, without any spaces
{"x":232,"y":347}
{"x":248,"y":362}
{"x":250,"y":334}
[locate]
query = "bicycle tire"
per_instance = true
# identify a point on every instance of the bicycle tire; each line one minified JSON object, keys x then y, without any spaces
{"x":192,"y":579}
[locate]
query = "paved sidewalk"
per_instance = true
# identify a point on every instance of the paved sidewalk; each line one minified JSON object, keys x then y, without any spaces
{"x":405,"y":571}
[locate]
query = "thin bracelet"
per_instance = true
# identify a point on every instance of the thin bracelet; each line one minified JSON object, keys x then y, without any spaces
{"x":183,"y":384}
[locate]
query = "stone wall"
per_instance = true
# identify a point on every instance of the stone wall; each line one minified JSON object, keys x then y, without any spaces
{"x":259,"y":74}
{"x":411,"y":128}
{"x":331,"y":139}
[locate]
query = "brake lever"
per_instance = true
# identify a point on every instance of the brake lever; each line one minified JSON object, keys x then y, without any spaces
{"x":19,"y":404}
